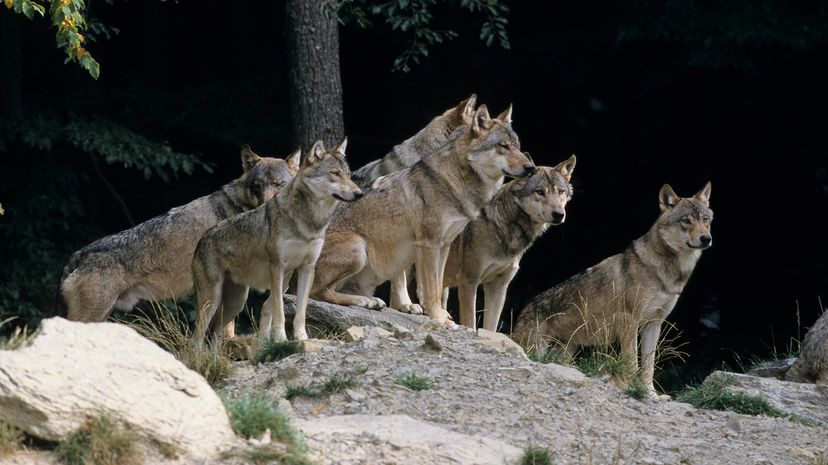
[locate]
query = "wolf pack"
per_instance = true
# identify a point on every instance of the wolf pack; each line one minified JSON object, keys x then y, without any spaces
{"x":456,"y":205}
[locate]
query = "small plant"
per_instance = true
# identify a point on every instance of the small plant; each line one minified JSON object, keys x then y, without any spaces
{"x":636,"y":389}
{"x":17,"y":338}
{"x":533,"y":455}
{"x":269,"y":454}
{"x":337,"y":382}
{"x":604,"y":361}
{"x":251,"y":415}
{"x":10,"y":438}
{"x":99,"y":442}
{"x":272,"y":350}
{"x":713,"y":395}
{"x":414,"y":382}
{"x":170,"y":330}
{"x":552,"y":355}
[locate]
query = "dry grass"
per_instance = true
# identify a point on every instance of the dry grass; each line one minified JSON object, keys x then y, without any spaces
{"x":100,"y":442}
{"x":170,"y":330}
{"x":11,"y":439}
{"x":18,"y":337}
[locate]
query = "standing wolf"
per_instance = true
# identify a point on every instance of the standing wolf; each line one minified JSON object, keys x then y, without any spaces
{"x":489,"y":250}
{"x":261,"y":248}
{"x":626,"y":293}
{"x":439,"y":132}
{"x":413,"y":215}
{"x":151,"y":261}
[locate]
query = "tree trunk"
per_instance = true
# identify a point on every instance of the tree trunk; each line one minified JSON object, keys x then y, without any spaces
{"x":11,"y":81}
{"x":315,"y":87}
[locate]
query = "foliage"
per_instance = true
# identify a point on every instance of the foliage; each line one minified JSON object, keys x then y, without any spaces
{"x":713,"y":395}
{"x":11,"y":438}
{"x":636,"y":389}
{"x":272,"y":350}
{"x":726,"y":34}
{"x":552,"y":355}
{"x":604,"y":360}
{"x":337,"y":382}
{"x":170,"y":330}
{"x":414,"y":382}
{"x":252,"y":414}
{"x":533,"y":455}
{"x":415,"y":17}
{"x":268,"y":454}
{"x":68,"y":17}
{"x":17,"y":338}
{"x":99,"y":441}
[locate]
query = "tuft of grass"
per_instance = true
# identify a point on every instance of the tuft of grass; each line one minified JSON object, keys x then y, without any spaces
{"x":271,"y":350}
{"x":553,"y":355}
{"x":264,"y":455}
{"x":16,"y":338}
{"x":337,"y":382}
{"x":99,"y":442}
{"x":11,"y":438}
{"x":414,"y":382}
{"x":170,"y":330}
{"x":636,"y":389}
{"x":252,"y":414}
{"x":533,"y":455}
{"x":713,"y":395}
{"x":604,"y":361}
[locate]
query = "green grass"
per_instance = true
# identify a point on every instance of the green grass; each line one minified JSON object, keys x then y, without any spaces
{"x":271,"y":350}
{"x":553,"y":355}
{"x":11,"y":438}
{"x":533,"y":455}
{"x":414,"y":382}
{"x":16,"y":338}
{"x":264,"y":455}
{"x":601,"y":361}
{"x":337,"y":382}
{"x":251,"y":415}
{"x":170,"y":330}
{"x":99,"y":442}
{"x":713,"y":395}
{"x":636,"y":389}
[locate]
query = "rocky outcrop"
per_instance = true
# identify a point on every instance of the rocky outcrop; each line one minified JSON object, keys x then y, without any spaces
{"x":72,"y":371}
{"x":806,"y":401}
{"x":812,"y":364}
{"x":338,"y":318}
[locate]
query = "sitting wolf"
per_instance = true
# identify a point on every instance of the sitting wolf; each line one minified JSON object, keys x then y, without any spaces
{"x":151,"y":261}
{"x":627,"y":293}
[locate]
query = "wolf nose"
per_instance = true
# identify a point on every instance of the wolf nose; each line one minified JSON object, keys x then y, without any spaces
{"x":358,"y":195}
{"x":705,"y":239}
{"x":528,"y":168}
{"x":558,"y":217}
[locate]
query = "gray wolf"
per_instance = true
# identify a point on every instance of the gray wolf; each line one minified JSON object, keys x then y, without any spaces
{"x":151,"y":261}
{"x":627,"y":296}
{"x":261,"y":248}
{"x":412,"y":216}
{"x":439,"y":132}
{"x":489,"y":250}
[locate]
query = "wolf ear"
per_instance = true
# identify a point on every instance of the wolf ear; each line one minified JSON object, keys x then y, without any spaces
{"x":340,"y":147}
{"x":465,"y":109}
{"x":316,"y":153}
{"x":704,"y":194}
{"x":294,"y":160}
{"x":506,"y":116}
{"x":566,"y":167}
{"x":248,"y":158}
{"x":667,"y":197}
{"x":481,"y":120}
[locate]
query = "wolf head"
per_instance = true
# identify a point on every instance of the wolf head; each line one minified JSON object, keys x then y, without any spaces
{"x":326,"y":173}
{"x":543,"y":194}
{"x":493,"y":148}
{"x":264,"y":177}
{"x":441,"y":130}
{"x":684,"y":223}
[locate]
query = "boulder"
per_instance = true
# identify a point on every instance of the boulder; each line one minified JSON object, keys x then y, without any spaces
{"x":807,"y":401}
{"x":500,"y":342}
{"x":338,"y":318}
{"x":812,"y":364}
{"x":772,"y":368}
{"x":72,"y":371}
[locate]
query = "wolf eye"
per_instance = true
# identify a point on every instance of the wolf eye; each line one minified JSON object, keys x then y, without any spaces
{"x":686,"y":220}
{"x":561,"y":191}
{"x":706,"y":219}
{"x":540,"y":192}
{"x":505,"y":145}
{"x":336,"y":173}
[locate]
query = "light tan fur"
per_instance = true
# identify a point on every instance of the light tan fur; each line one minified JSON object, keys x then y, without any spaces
{"x":151,"y":261}
{"x":627,"y":296}
{"x":489,"y":250}
{"x":261,"y":248}
{"x":415,"y":214}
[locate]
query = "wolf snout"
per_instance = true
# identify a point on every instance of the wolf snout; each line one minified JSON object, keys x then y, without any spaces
{"x":705,"y":240}
{"x":358,"y":194}
{"x":528,"y":169}
{"x":558,"y":217}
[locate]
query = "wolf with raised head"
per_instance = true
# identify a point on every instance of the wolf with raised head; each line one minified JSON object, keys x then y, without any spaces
{"x":438,"y":132}
{"x":261,"y":248}
{"x":151,"y":261}
{"x":489,"y":250}
{"x":626,"y":297}
{"x":412,"y":216}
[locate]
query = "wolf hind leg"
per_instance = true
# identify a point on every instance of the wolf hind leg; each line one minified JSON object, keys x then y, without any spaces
{"x":343,"y":256}
{"x":400,"y":298}
{"x":233,"y":297}
{"x":90,"y":297}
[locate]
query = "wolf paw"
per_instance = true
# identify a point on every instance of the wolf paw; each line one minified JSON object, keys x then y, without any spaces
{"x":370,"y":302}
{"x":414,"y":309}
{"x":278,"y":334}
{"x":440,"y":315}
{"x":300,"y":334}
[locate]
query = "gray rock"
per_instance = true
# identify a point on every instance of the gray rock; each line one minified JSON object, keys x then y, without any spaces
{"x":432,"y":343}
{"x":338,"y":318}
{"x":773,"y":368}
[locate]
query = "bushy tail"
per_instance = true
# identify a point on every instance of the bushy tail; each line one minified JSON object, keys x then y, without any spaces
{"x":59,"y":307}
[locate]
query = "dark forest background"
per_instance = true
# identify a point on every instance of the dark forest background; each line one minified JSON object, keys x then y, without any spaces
{"x":643,"y":92}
